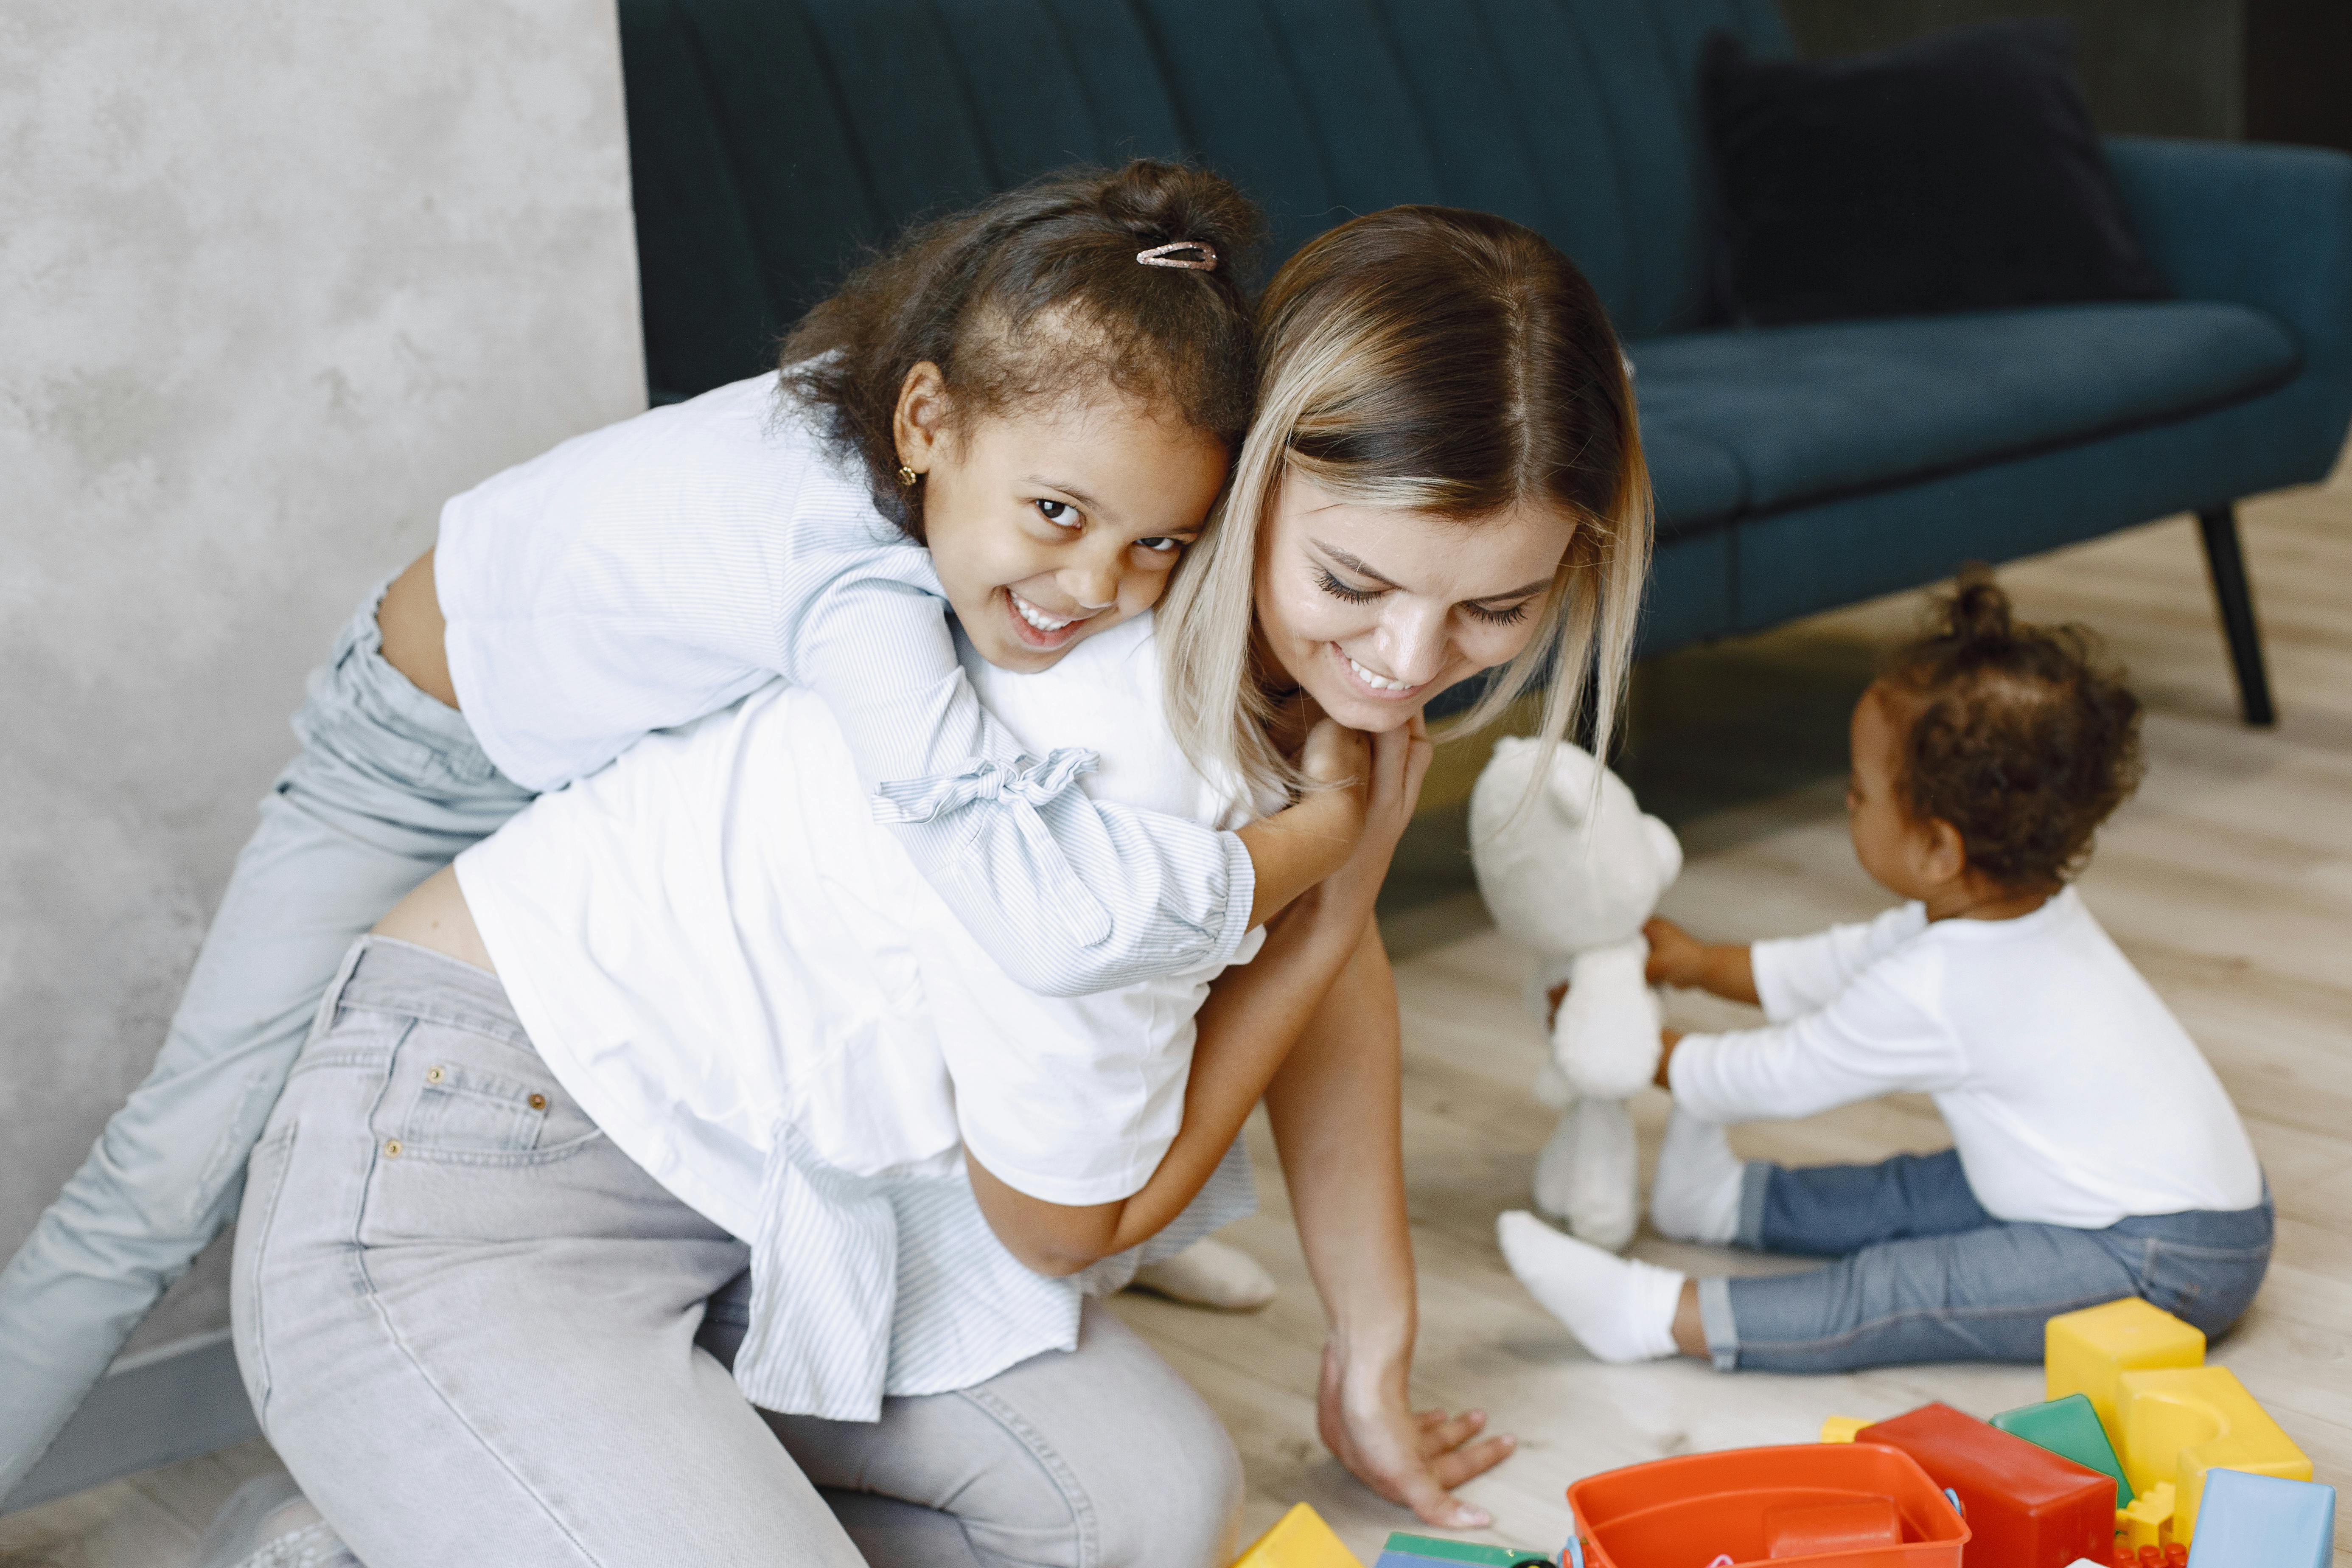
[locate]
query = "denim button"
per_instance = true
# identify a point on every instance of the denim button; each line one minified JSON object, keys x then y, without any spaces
{"x":391,"y":1148}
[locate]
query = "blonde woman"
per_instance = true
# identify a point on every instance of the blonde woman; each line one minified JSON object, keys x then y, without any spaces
{"x":565,"y":1094}
{"x":1445,"y":478}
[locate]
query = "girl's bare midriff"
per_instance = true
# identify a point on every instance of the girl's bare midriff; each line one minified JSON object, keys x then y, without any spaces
{"x":415,"y":635}
{"x":433,"y":915}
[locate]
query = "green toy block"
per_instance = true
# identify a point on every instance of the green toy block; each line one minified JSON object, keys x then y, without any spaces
{"x":2070,"y":1428}
{"x":1404,"y":1551}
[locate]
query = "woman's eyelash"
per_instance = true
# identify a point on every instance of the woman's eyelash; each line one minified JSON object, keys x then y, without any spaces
{"x":1070,"y":513}
{"x":1511,"y":617}
{"x":1339,"y":590}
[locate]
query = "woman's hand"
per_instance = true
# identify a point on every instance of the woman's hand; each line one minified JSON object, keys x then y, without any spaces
{"x":1409,"y":1456}
{"x":1295,"y":848}
{"x":1400,"y":761}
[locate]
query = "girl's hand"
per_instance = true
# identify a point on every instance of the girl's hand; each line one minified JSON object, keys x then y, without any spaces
{"x":1411,"y":1456}
{"x":1677,"y":957}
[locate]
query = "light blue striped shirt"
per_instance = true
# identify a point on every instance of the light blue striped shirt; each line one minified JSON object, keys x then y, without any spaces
{"x":640,"y":576}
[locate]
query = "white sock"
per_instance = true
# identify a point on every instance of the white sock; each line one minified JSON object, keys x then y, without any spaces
{"x":1209,"y":1273}
{"x":1621,"y":1309}
{"x":1697,"y":1194}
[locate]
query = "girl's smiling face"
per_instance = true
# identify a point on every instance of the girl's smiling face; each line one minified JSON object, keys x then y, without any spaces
{"x":1053,"y":522}
{"x":1374,"y":610}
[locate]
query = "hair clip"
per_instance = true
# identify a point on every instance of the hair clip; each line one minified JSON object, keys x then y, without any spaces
{"x":1204,"y":258}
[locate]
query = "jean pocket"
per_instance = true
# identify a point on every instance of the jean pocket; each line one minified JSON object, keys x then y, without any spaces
{"x":265,"y":1184}
{"x":2210,"y":1286}
{"x":464,"y":1110}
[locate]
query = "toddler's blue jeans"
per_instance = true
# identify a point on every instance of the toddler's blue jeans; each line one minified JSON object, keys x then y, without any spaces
{"x":388,"y":787}
{"x":1923,"y":1273}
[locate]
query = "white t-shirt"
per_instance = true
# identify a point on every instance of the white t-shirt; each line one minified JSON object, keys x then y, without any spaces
{"x":2073,"y":1095}
{"x":640,"y":576}
{"x":746,"y":983}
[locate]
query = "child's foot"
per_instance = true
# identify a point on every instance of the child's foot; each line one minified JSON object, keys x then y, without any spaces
{"x":1210,"y":1274}
{"x":267,"y":1523}
{"x":1620,"y":1309}
{"x":1697,"y":1194}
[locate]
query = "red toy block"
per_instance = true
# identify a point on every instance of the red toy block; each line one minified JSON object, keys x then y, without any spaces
{"x":2026,"y":1507}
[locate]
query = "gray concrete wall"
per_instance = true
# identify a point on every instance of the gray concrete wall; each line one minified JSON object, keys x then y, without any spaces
{"x":275,"y":280}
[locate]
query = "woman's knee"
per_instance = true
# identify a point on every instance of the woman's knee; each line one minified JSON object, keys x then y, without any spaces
{"x":1183,"y":1507}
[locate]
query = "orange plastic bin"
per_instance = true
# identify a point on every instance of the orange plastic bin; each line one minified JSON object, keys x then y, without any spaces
{"x":1690,"y":1511}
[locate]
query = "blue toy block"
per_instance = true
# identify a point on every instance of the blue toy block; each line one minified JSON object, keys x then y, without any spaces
{"x":2263,"y":1522}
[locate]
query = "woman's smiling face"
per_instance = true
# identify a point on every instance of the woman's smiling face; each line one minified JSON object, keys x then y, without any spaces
{"x":1374,"y":610}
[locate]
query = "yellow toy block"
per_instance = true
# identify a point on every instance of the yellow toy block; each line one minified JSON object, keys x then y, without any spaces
{"x":2148,"y":1521}
{"x":2181,"y":1424}
{"x":1299,"y":1539}
{"x":1842,"y":1429}
{"x":2085,"y":1351}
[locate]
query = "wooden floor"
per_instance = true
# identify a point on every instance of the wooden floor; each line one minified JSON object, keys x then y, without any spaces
{"x":2229,"y":880}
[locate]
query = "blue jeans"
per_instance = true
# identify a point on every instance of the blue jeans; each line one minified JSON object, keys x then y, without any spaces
{"x":388,"y":786}
{"x":477,"y":1332}
{"x":1925,"y":1274}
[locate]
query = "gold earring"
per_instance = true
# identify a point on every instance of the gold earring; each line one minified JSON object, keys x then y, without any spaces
{"x":907,"y":477}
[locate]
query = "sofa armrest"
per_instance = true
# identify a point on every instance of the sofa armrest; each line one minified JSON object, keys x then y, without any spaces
{"x":2262,"y":225}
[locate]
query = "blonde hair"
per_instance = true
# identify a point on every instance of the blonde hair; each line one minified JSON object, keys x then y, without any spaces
{"x":1440,"y":361}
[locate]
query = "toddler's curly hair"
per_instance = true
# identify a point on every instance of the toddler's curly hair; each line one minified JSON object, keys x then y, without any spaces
{"x":2025,"y":739}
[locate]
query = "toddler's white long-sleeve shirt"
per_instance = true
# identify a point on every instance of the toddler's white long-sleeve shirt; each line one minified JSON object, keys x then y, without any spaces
{"x":2073,"y":1095}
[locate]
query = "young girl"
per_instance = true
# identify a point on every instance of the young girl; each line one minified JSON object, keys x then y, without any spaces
{"x":483,"y":1347}
{"x":2096,"y":1155}
{"x":1023,"y":415}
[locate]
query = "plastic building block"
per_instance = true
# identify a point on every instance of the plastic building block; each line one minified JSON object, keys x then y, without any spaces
{"x":1299,"y":1539}
{"x":2183,"y":1424}
{"x":1695,"y":1508}
{"x":2085,"y":1351}
{"x":1842,"y":1429}
{"x":2148,"y":1521}
{"x":2071,"y":1428}
{"x":2263,"y":1522}
{"x":1404,"y":1551}
{"x":2028,"y":1507}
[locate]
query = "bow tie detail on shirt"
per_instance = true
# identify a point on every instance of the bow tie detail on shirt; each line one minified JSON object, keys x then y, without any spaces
{"x":1021,"y":789}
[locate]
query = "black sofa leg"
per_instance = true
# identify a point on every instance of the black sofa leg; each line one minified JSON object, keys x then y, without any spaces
{"x":2233,"y":596}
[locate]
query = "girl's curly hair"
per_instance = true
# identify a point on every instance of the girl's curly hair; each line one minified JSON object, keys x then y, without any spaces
{"x":2024,"y":738}
{"x":1031,"y":297}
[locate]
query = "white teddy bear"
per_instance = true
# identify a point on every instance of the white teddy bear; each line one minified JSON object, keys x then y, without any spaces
{"x":1569,"y":867}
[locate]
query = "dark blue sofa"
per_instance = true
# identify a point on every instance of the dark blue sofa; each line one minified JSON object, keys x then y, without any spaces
{"x":1797,"y":469}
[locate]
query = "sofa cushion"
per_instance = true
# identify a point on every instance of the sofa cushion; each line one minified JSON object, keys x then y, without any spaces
{"x":1814,"y":411}
{"x":1699,"y":483}
{"x":1958,"y":173}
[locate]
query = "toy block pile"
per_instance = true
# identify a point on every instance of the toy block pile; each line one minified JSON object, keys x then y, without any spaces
{"x":2133,"y":1415}
{"x":2140,"y":1457}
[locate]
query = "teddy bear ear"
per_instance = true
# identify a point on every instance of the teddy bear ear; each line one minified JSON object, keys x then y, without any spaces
{"x":1569,"y":786}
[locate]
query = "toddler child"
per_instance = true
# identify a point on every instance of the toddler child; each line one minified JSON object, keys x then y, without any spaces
{"x":2096,"y":1156}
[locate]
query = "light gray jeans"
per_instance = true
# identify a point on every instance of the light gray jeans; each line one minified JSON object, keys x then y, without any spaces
{"x":477,"y":1332}
{"x":389,"y":785}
